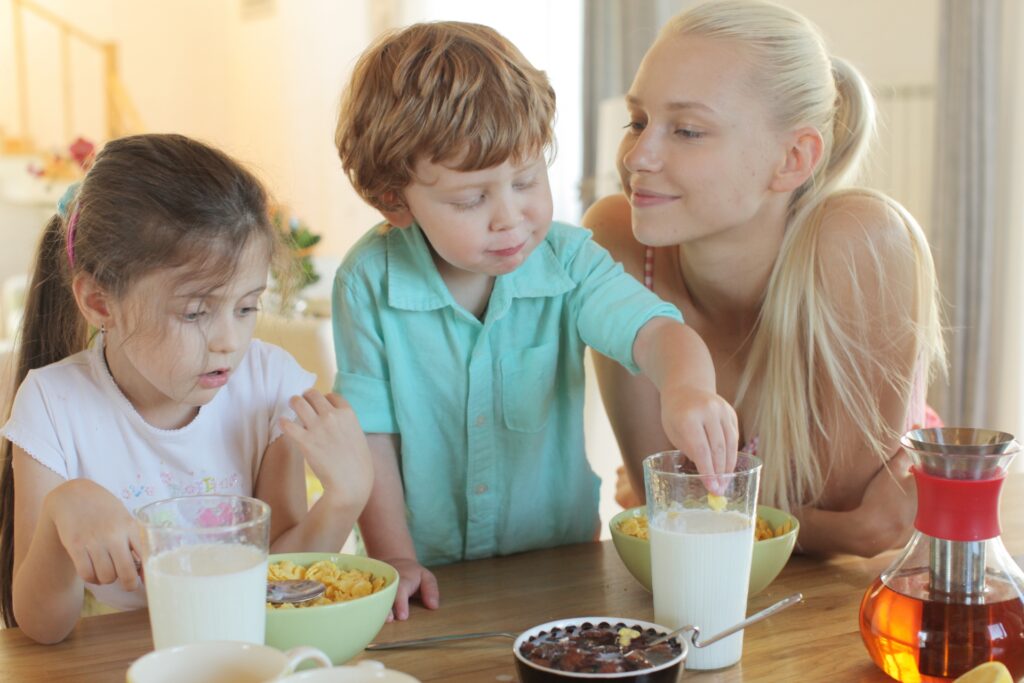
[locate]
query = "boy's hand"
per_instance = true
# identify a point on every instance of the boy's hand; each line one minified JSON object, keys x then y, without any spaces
{"x":97,"y":531}
{"x":703,"y":426}
{"x":413,"y":578}
{"x":330,"y":439}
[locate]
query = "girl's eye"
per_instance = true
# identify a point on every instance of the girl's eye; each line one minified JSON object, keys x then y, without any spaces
{"x":193,"y":316}
{"x":248,"y":310}
{"x":635,"y":126}
{"x":525,"y":184}
{"x":689,"y":133}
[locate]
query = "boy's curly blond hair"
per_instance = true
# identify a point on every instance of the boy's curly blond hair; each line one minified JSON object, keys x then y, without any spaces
{"x":449,"y":92}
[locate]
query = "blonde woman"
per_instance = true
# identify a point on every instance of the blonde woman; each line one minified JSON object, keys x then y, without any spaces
{"x":816,"y":298}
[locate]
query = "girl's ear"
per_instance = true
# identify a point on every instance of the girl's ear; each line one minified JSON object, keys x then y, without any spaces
{"x":93,"y":301}
{"x":803,"y":148}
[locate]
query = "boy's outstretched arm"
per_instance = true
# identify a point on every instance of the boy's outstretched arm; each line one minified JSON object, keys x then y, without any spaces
{"x":386,"y":533}
{"x":697,"y":421}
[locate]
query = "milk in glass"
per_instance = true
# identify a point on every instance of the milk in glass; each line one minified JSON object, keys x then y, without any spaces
{"x":700,"y":570}
{"x":207,"y":592}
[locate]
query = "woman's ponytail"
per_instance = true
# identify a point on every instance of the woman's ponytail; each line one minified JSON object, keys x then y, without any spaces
{"x":853,"y":125}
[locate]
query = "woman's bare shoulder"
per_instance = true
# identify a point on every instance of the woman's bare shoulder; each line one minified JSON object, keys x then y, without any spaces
{"x":867,"y":227}
{"x":610,"y":220}
{"x":868,"y":257}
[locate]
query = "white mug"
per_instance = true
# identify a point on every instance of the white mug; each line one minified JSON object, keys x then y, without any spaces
{"x":364,"y":672}
{"x":221,"y":662}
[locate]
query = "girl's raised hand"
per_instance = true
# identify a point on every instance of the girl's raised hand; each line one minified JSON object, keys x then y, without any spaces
{"x":329,"y":437}
{"x":97,"y":531}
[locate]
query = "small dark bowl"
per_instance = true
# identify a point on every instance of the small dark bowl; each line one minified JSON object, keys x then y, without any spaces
{"x":669,"y":672}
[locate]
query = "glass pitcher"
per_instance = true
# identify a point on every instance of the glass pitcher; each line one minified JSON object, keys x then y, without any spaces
{"x":954,"y":598}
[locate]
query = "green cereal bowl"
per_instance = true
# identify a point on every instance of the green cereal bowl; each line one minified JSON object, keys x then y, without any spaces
{"x":770,"y":555}
{"x":340,"y":630}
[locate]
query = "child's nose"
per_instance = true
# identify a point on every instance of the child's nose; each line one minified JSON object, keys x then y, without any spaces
{"x":506,"y":215}
{"x":224,"y":337}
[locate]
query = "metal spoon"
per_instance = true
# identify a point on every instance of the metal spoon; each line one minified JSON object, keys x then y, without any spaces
{"x":752,"y":619}
{"x":294,"y":591}
{"x":439,"y":639}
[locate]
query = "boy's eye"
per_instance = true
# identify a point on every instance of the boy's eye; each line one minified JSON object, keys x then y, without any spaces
{"x":469,"y":203}
{"x":525,"y":184}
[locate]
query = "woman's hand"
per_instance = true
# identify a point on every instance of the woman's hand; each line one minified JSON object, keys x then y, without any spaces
{"x":413,"y":578}
{"x":330,"y":439}
{"x":889,"y":505}
{"x":97,"y":531}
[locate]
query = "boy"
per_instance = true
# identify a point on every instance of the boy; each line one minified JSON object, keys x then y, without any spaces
{"x":460,"y":326}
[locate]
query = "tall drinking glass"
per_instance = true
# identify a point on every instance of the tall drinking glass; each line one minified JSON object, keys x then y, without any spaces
{"x":205,"y":568}
{"x":701,"y":547}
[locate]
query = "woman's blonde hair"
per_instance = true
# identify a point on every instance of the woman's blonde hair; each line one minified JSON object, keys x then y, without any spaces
{"x":801,"y":349}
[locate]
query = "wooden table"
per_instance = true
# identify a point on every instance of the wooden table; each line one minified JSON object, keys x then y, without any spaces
{"x":815,"y":641}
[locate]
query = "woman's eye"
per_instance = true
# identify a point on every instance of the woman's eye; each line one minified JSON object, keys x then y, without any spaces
{"x":635,"y":126}
{"x":689,"y":133}
{"x":193,"y":316}
{"x":248,"y":310}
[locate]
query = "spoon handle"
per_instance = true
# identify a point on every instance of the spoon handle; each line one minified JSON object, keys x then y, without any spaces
{"x":752,"y":619}
{"x":438,"y":639}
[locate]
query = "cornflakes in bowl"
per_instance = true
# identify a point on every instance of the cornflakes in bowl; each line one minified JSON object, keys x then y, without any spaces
{"x":774,"y":535}
{"x":359,"y":595}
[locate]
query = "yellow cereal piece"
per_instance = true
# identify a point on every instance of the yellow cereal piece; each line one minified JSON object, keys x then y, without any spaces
{"x":716,"y":502}
{"x":626,"y":636}
{"x":284,"y":571}
{"x":635,"y":526}
{"x":341,"y":584}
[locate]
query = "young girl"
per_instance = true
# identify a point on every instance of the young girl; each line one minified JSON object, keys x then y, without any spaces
{"x":816,"y":298}
{"x":139,"y":379}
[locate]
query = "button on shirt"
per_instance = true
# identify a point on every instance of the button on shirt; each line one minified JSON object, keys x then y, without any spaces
{"x":490,"y":413}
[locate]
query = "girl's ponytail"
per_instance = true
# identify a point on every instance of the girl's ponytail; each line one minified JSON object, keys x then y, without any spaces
{"x":51,"y":329}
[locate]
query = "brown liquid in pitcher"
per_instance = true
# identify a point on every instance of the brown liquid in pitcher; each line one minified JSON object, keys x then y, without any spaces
{"x":916,"y":640}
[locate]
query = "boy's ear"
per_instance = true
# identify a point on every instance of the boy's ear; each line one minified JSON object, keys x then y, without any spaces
{"x":803,"y":149}
{"x":400,"y":216}
{"x":93,"y":301}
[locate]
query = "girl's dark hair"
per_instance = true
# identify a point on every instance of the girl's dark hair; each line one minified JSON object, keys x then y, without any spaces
{"x":149,"y":202}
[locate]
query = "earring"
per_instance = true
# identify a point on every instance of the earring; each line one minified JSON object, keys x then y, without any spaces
{"x":103,"y":328}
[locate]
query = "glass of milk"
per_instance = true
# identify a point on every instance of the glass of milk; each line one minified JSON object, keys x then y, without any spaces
{"x":701,"y":547}
{"x":205,"y":568}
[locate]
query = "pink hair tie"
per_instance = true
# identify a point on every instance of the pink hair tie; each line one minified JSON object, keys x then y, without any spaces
{"x":72,"y":224}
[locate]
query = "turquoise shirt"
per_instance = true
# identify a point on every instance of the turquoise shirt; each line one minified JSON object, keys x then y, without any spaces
{"x":490,"y":412}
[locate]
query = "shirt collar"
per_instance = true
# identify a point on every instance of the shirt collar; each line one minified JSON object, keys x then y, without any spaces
{"x":414,"y":283}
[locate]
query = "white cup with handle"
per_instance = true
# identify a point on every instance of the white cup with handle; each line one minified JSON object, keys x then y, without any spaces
{"x":221,"y":662}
